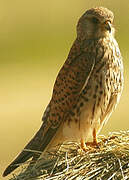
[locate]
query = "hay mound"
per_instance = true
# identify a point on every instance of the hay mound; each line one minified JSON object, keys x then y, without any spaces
{"x":108,"y":161}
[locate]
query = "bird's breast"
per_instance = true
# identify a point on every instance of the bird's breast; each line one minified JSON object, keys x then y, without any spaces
{"x":99,"y":97}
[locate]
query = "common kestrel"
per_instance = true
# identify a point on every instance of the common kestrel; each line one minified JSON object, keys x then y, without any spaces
{"x":86,"y":91}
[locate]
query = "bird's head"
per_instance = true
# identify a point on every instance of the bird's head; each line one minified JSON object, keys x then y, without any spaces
{"x":95,"y":23}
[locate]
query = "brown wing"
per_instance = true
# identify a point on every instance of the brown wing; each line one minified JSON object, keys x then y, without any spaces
{"x":70,"y":81}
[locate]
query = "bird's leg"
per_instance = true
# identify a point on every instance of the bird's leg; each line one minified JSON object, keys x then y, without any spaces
{"x":94,"y":143}
{"x":83,"y":145}
{"x":95,"y":137}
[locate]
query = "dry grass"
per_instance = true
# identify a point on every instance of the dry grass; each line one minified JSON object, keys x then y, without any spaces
{"x":110,"y":161}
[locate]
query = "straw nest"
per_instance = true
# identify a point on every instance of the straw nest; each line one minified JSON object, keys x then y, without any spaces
{"x":109,"y":161}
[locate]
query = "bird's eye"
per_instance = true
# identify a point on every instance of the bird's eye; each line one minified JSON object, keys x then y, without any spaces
{"x":95,"y":20}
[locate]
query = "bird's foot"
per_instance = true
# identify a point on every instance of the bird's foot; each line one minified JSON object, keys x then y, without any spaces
{"x":106,"y":140}
{"x":93,"y":144}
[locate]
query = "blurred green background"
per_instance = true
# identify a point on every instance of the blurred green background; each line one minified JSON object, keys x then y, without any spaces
{"x":35,"y":38}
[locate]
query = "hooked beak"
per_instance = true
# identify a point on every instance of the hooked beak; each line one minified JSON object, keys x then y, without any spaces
{"x":107,"y":25}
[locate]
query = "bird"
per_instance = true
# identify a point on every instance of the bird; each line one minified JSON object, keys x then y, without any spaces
{"x":86,"y":91}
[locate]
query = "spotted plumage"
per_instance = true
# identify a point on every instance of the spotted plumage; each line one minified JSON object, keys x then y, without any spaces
{"x":87,"y":88}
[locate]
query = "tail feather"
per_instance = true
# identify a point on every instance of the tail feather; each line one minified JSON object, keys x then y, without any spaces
{"x":22,"y":157}
{"x":38,"y":143}
{"x":34,"y":144}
